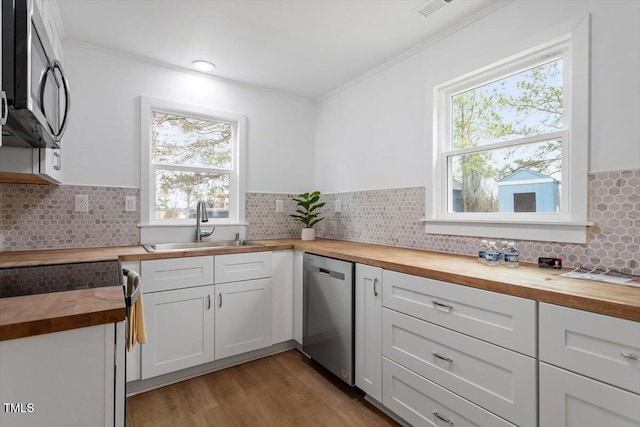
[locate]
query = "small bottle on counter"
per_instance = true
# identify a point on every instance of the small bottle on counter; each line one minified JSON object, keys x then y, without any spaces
{"x":504,"y":247}
{"x":492,"y":255}
{"x":482,"y":250}
{"x":512,"y":256}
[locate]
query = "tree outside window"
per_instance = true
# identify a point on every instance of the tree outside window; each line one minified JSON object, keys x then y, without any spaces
{"x":503,"y":126}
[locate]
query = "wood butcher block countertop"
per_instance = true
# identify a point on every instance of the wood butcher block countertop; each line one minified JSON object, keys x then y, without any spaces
{"x":36,"y":314}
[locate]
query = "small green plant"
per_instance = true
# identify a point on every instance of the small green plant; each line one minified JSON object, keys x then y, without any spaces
{"x":308,"y":204}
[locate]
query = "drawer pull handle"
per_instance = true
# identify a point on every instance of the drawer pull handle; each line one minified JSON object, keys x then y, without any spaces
{"x":437,"y":415}
{"x":375,"y":286}
{"x":438,"y":305}
{"x":446,"y":359}
{"x":630,"y":356}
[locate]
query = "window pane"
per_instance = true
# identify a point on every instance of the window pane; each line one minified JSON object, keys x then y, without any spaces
{"x":177,"y":194}
{"x":499,"y":180}
{"x":526,"y":103}
{"x":187,"y":141}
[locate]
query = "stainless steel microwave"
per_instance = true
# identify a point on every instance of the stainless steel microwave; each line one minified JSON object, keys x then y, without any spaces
{"x":36,"y":87}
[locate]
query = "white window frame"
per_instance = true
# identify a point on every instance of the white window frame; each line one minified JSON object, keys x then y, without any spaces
{"x":569,"y":225}
{"x":148,"y":169}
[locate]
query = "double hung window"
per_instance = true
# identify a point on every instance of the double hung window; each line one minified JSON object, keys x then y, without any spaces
{"x":510,"y":148}
{"x":190,"y":154}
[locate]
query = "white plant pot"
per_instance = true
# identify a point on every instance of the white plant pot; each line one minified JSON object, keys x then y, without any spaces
{"x":308,"y":234}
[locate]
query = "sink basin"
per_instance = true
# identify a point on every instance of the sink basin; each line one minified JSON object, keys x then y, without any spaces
{"x":198,"y":246}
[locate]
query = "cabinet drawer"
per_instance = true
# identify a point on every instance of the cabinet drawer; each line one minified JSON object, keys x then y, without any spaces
{"x":504,"y":320}
{"x":499,"y":380}
{"x":571,"y":400}
{"x":591,"y":344}
{"x":421,"y":402}
{"x":176,"y":273}
{"x":238,"y":267}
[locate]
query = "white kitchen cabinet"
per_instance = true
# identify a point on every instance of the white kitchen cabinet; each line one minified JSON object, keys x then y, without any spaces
{"x":493,"y":377}
{"x":601,"y":347}
{"x":282,"y":305}
{"x":244,"y":266}
{"x":298,"y":273}
{"x":69,"y":378}
{"x":243,"y":317}
{"x":424,"y":403}
{"x":571,"y":400}
{"x":180,"y":330}
{"x":176,"y":273}
{"x":504,"y":320}
{"x":368,"y":333}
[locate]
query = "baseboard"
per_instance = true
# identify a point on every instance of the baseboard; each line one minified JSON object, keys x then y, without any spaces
{"x":141,"y":386}
{"x":386,"y":410}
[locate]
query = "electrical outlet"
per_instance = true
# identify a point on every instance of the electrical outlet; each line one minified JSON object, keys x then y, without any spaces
{"x":279,"y":206}
{"x":82,"y":203}
{"x":337,"y":206}
{"x":130,"y":204}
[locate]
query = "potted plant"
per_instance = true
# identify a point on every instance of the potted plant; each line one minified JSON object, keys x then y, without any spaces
{"x":307,"y":213}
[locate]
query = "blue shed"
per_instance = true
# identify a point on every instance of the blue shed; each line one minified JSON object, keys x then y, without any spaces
{"x":526,"y":190}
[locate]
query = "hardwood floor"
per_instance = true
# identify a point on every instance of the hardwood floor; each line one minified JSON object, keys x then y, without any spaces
{"x":285,"y":389}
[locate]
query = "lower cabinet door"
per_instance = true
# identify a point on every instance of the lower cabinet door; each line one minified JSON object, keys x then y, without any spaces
{"x":423,"y":403}
{"x":180,"y":327}
{"x":571,"y":400}
{"x":243,"y":317}
{"x":60,"y":379}
{"x":368,"y":290}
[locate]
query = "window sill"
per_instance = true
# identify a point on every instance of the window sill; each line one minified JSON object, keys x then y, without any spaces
{"x":545,"y":231}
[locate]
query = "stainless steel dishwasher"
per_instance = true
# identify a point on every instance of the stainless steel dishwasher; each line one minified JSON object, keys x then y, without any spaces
{"x":328,"y":325}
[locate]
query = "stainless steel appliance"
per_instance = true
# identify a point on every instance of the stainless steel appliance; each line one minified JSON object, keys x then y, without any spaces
{"x":35,"y":84}
{"x":328,"y":325}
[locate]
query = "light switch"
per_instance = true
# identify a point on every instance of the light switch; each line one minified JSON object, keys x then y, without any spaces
{"x":279,"y":206}
{"x":130,"y":204}
{"x":337,"y":206}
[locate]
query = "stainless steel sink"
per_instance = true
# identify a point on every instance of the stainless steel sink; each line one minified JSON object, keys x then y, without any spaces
{"x":198,"y":246}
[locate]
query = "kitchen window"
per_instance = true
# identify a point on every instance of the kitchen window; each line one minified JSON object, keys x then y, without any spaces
{"x":510,"y":152}
{"x":190,"y":153}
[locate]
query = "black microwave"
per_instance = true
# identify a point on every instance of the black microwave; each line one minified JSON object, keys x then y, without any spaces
{"x":36,"y":87}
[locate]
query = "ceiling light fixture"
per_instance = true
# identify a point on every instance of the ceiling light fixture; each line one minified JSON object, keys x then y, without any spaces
{"x":202,"y":65}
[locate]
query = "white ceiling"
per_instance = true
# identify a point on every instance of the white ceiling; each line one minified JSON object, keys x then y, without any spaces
{"x":306,"y":48}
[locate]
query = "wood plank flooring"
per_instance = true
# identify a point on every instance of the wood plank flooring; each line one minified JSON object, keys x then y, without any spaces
{"x":285,"y":389}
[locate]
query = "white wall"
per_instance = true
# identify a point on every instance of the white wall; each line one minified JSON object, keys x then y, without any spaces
{"x":102,"y":143}
{"x":377,"y":133}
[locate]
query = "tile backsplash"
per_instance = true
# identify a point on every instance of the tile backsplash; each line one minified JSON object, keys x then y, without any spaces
{"x":43,"y":217}
{"x":391,"y":217}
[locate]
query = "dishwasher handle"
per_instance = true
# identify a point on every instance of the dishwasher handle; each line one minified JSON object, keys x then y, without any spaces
{"x":334,"y":274}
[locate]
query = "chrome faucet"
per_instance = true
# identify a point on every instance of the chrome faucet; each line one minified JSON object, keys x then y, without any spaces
{"x":201,"y":216}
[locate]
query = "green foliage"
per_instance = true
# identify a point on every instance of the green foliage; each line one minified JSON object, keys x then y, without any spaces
{"x":307,"y":210}
{"x":188,"y":141}
{"x":528,"y":104}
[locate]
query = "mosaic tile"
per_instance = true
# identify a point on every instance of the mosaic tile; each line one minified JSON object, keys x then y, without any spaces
{"x":43,"y":217}
{"x":391,"y":217}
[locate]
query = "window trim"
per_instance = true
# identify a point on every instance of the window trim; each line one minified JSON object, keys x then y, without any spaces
{"x":570,"y":224}
{"x":148,"y":169}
